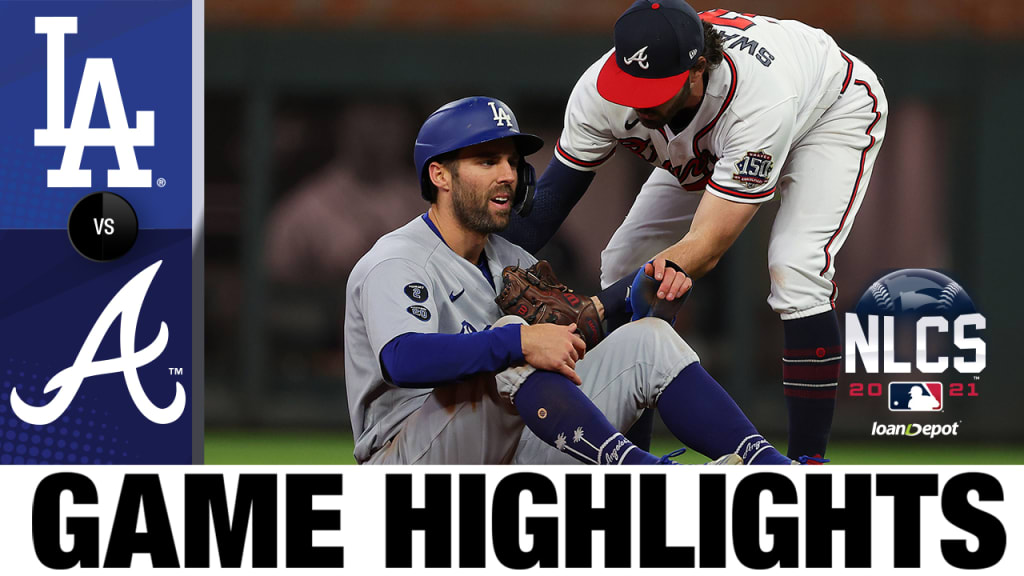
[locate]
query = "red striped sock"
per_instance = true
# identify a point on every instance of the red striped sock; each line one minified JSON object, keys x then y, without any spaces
{"x":810,"y":376}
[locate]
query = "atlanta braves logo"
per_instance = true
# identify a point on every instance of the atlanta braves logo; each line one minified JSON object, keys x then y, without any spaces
{"x":127,"y":304}
{"x":99,"y":76}
{"x":640,"y":57}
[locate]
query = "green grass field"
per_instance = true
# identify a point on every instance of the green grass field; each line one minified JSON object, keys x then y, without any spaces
{"x":276,"y":447}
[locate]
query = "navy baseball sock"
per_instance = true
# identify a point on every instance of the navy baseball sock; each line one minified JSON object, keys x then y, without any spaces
{"x":702,"y":415}
{"x":560,"y":414}
{"x":810,"y":376}
{"x":615,"y":298}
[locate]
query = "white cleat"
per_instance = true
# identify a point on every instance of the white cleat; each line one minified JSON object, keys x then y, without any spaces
{"x":727,"y":460}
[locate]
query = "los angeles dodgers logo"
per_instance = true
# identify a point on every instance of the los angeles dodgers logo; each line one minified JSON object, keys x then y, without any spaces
{"x":98,"y":76}
{"x":127,"y":304}
{"x":501,"y":116}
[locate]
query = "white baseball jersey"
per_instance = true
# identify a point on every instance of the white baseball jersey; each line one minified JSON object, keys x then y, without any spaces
{"x":787,"y":112}
{"x":775,"y":81}
{"x":410,"y":281}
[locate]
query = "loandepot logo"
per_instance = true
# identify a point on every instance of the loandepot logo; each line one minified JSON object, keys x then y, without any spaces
{"x":99,"y":76}
{"x":929,"y":430}
{"x":127,"y":304}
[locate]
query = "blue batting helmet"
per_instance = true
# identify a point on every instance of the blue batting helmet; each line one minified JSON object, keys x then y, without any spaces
{"x":472,"y":121}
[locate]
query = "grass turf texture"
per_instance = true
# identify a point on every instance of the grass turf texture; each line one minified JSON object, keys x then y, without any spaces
{"x":273,"y":447}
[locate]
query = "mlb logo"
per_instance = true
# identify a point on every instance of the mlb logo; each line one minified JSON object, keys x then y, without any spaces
{"x":915,"y":396}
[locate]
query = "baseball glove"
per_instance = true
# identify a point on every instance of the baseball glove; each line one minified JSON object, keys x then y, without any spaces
{"x":536,"y":295}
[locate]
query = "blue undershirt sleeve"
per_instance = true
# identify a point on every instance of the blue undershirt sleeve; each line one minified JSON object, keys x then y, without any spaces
{"x":558,"y":191}
{"x":414,"y":360}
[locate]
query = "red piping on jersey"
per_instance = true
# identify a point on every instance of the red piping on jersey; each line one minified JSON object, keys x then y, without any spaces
{"x":856,"y":185}
{"x":724,"y":190}
{"x":728,"y":100}
{"x":849,"y":71}
{"x":577,"y":161}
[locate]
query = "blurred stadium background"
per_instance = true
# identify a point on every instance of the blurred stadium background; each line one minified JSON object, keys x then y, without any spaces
{"x":311,"y":111}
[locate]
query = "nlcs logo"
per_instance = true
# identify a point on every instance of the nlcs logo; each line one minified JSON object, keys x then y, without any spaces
{"x":933,"y":302}
{"x":98,"y":76}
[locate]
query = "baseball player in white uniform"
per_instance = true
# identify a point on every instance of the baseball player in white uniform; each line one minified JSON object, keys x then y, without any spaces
{"x":733,"y":110}
{"x":434,"y":377}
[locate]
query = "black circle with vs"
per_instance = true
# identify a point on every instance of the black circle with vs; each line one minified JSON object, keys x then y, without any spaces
{"x":103,"y":226}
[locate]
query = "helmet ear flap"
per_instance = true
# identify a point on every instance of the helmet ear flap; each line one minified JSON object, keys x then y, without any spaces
{"x":525,"y":188}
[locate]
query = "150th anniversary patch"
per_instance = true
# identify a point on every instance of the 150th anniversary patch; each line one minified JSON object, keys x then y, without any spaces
{"x":753,"y":169}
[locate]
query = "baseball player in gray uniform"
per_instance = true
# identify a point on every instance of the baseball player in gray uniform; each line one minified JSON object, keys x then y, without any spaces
{"x":434,"y":376}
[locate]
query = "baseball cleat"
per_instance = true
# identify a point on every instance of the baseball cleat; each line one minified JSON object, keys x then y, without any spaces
{"x":727,"y":460}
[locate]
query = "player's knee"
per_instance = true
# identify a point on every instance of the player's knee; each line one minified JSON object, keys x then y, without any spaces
{"x":797,"y":279}
{"x":797,"y":288}
{"x":654,"y":328}
{"x":784,"y":273}
{"x":657,"y":342}
{"x":509,"y":319}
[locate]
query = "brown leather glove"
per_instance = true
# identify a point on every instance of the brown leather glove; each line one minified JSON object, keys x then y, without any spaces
{"x":536,"y":295}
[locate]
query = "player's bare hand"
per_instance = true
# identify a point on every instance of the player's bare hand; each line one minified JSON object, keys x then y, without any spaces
{"x":673,"y":282}
{"x":554,"y":348}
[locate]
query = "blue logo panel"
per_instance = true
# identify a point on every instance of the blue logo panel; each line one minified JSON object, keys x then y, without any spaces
{"x":95,"y":343}
{"x":137,"y":53}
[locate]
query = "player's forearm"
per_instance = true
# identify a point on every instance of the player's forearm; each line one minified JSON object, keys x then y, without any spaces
{"x":429,"y":360}
{"x":558,"y":191}
{"x":717,"y":224}
{"x":697,"y":256}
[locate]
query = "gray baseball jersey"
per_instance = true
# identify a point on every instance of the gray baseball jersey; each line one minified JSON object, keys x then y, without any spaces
{"x":410,"y":281}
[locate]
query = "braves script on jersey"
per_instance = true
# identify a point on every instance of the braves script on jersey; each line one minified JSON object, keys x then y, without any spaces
{"x":776,"y":80}
{"x":410,"y":281}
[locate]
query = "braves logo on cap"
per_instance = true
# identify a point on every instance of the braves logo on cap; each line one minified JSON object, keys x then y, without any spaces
{"x":664,"y":39}
{"x":915,"y":396}
{"x":640,"y":57}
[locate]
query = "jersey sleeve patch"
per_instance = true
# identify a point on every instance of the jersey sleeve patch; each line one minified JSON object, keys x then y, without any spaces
{"x":417,"y":292}
{"x":754,"y":169}
{"x":421,"y":313}
{"x":394,"y":298}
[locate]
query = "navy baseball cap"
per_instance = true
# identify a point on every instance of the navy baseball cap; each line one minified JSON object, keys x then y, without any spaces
{"x":656,"y":44}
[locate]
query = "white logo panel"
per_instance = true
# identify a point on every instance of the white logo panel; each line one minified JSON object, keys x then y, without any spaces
{"x":99,"y":76}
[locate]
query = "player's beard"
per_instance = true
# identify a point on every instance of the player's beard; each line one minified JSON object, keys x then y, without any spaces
{"x":473,"y":209}
{"x":654,"y":118}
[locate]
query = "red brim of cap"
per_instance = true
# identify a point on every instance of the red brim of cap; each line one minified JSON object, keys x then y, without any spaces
{"x":620,"y":88}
